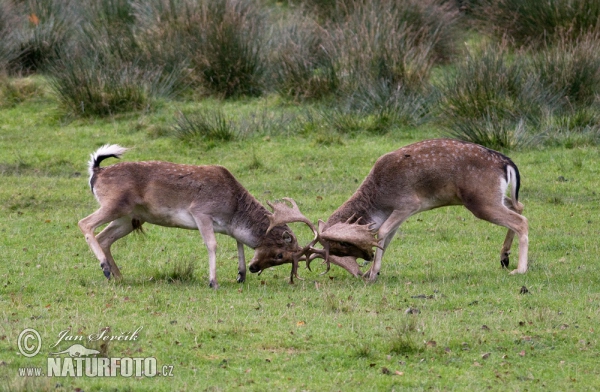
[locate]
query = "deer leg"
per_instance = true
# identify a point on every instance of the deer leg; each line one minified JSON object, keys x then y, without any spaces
{"x":117,"y":229}
{"x":510,"y":235}
{"x":241,"y":263}
{"x":205,"y":225}
{"x":385,"y":234}
{"x":88,"y":225}
{"x":516,"y":224}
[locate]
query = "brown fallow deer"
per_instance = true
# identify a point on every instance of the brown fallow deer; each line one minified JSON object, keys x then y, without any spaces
{"x":207,"y":198}
{"x":420,"y":177}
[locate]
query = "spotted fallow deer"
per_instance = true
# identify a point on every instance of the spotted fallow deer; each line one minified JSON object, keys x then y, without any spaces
{"x":420,"y":177}
{"x":207,"y":198}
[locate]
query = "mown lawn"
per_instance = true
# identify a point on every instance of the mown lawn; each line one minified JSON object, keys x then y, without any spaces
{"x":472,"y":329}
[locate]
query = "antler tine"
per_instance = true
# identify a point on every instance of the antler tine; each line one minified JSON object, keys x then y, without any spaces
{"x":295,"y":269}
{"x":283,"y":214}
{"x":348,"y":263}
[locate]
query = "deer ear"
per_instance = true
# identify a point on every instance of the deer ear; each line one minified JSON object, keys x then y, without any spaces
{"x":321,"y":225}
{"x":287,"y":237}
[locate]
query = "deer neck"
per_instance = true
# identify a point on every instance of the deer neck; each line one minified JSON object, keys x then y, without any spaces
{"x":249,"y":223}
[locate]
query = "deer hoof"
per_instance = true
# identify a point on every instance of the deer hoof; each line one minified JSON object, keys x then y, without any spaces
{"x":370,"y":276}
{"x":516,"y":271}
{"x":106,"y":273}
{"x":241,"y":278}
{"x":213,"y":284}
{"x":504,"y":260}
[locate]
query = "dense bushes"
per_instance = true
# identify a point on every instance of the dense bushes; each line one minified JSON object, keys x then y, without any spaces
{"x":532,"y":74}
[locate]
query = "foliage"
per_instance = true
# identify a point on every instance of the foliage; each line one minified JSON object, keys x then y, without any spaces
{"x":492,"y":100}
{"x":533,"y":22}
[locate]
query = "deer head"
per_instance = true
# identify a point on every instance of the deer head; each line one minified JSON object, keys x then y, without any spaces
{"x":283,"y":214}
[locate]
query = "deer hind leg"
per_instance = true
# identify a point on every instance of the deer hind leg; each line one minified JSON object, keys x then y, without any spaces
{"x":241,"y":263}
{"x":510,"y":235}
{"x":117,"y":229}
{"x":515,"y":222}
{"x":205,"y":225}
{"x":386,"y":233}
{"x":88,"y":225}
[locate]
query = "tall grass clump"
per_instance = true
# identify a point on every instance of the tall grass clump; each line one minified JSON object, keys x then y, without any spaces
{"x":534,"y":22}
{"x":41,"y":30}
{"x":302,"y":59}
{"x":111,"y":70}
{"x":492,"y":98}
{"x":110,"y":27}
{"x":385,"y":52}
{"x":6,"y":43}
{"x":205,"y":126}
{"x":394,"y":41}
{"x":88,"y":85}
{"x":571,"y":70}
{"x":225,"y":41}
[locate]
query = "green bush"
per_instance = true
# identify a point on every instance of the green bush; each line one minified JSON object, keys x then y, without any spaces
{"x":493,"y":99}
{"x":571,"y":70}
{"x":95,"y":86}
{"x":302,"y":60}
{"x":538,"y":22}
{"x":205,"y":126}
{"x":110,"y":27}
{"x":40,"y":31}
{"x":225,"y":41}
{"x":394,"y":41}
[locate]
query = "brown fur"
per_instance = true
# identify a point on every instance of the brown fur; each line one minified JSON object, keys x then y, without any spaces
{"x":432,"y":174}
{"x":208,"y":198}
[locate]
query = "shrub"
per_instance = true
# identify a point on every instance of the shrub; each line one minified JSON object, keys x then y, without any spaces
{"x":302,"y":60}
{"x":207,"y":126}
{"x":492,"y":100}
{"x":385,"y":52}
{"x":109,"y":27}
{"x":225,"y":38}
{"x":571,"y":70}
{"x":95,"y":86}
{"x":6,"y":28}
{"x":42,"y":30}
{"x":538,"y":22}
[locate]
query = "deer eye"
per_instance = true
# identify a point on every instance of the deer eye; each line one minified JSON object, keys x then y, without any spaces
{"x":279,"y":256}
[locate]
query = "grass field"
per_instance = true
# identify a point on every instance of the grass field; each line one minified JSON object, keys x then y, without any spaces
{"x":474,"y":329}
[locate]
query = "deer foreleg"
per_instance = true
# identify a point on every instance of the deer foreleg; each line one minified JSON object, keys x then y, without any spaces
{"x":205,"y":225}
{"x":385,"y":234}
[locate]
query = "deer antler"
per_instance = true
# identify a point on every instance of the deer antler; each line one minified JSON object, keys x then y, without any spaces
{"x":348,"y":262}
{"x":362,"y":236}
{"x":283,"y":214}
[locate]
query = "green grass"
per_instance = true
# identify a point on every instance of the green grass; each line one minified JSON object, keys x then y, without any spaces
{"x":474,"y":330}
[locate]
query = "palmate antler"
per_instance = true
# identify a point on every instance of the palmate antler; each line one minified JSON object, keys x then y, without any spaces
{"x":283,"y":214}
{"x":361,"y":236}
{"x":348,"y":262}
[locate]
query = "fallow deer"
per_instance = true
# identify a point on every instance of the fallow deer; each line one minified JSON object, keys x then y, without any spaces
{"x":420,"y":177}
{"x":207,"y":198}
